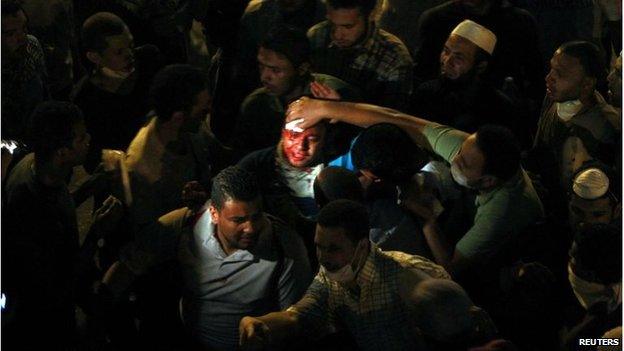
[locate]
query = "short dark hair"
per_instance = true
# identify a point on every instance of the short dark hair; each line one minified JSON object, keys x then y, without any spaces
{"x":96,"y":28}
{"x":501,"y":151}
{"x":11,"y":7}
{"x":389,"y":152}
{"x":366,"y":6}
{"x":175,"y":88}
{"x":348,"y":215}
{"x":233,"y":183}
{"x":598,"y":248}
{"x":590,"y":57}
{"x":52,"y":127}
{"x":335,"y":183}
{"x":289,"y":41}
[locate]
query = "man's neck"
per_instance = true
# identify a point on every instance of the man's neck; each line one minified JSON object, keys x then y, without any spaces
{"x":588,"y":100}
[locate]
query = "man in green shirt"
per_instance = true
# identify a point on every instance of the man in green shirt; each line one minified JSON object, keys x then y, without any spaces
{"x":283,"y":59}
{"x":487,"y":161}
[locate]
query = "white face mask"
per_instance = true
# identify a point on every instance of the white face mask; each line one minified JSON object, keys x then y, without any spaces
{"x":345,"y":274}
{"x":568,"y":109}
{"x":116,"y":74}
{"x":590,"y":293}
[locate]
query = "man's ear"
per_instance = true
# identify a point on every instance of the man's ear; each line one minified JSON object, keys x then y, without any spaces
{"x":94,"y":57}
{"x":214,"y":214}
{"x":481,"y":67}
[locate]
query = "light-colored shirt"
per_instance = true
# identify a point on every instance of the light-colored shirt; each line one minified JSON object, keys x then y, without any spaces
{"x":502,"y":213}
{"x":377,"y":317}
{"x":220,"y":288}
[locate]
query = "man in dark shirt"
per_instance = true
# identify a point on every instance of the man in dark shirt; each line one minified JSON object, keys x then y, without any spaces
{"x":459,"y":96}
{"x":41,"y":258}
{"x":350,"y":46}
{"x":517,"y":52}
{"x":284,"y":62}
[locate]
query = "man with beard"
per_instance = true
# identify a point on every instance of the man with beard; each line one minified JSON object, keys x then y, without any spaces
{"x":235,"y":260}
{"x":517,"y":52}
{"x":460,"y":97}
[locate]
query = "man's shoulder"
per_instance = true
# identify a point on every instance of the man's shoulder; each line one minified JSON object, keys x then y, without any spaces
{"x":257,"y":159}
{"x":413,"y":264}
{"x":20,"y":182}
{"x":318,"y":35}
{"x":444,"y":10}
{"x":258,"y":97}
{"x":390,"y":42}
{"x":257,"y":7}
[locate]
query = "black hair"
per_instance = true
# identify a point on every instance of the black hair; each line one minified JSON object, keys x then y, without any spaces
{"x":388,"y":152}
{"x":96,"y":28}
{"x":289,"y":41}
{"x":348,"y":215}
{"x":598,"y":248}
{"x":501,"y":151}
{"x":366,"y":6}
{"x":52,"y":127}
{"x":11,"y":7}
{"x":233,"y":183}
{"x":336,"y":183}
{"x":589,"y":56}
{"x":175,"y":88}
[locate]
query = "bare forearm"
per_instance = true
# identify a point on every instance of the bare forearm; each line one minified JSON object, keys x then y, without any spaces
{"x":439,"y":248}
{"x":281,"y":324}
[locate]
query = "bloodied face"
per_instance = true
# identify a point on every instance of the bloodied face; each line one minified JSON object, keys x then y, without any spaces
{"x":303,"y":149}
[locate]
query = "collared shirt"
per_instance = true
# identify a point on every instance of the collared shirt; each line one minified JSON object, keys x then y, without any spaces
{"x":221,"y":288}
{"x":376,"y":316}
{"x":591,"y":133}
{"x":502,"y":213}
{"x":380,"y":65}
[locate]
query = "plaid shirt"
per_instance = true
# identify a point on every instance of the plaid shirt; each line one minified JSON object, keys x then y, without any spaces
{"x":380,"y":65}
{"x":376,"y":316}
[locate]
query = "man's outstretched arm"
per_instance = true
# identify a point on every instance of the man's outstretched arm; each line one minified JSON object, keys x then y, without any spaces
{"x":255,"y":333}
{"x":312,"y":111}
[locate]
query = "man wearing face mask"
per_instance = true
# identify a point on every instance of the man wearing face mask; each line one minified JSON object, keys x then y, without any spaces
{"x":460,"y":97}
{"x":113,"y":95}
{"x":595,"y":275}
{"x":359,"y":287}
{"x":487,"y":161}
{"x":576,"y":124}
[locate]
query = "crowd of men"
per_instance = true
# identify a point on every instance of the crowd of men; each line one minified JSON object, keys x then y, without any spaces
{"x":312,"y":175}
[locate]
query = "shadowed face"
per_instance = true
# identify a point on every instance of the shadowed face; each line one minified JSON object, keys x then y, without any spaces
{"x":277,"y":73}
{"x":14,"y":31}
{"x":457,"y":57}
{"x":348,"y":26}
{"x":239,"y":224}
{"x":566,"y":78}
{"x":303,"y":149}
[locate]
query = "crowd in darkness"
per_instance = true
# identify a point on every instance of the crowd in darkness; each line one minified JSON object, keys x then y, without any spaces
{"x":312,"y":175}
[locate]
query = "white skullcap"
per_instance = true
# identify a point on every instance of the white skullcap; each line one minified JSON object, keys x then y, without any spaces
{"x":477,"y":34}
{"x":591,"y":184}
